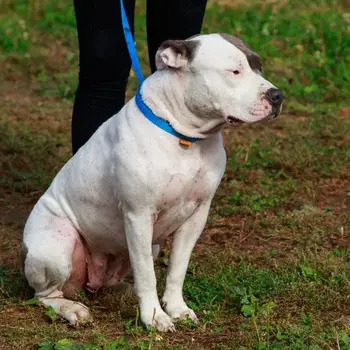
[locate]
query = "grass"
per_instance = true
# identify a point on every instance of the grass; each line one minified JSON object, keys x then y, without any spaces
{"x":271,"y":270}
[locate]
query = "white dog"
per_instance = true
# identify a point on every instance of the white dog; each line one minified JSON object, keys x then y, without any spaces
{"x":133,"y":184}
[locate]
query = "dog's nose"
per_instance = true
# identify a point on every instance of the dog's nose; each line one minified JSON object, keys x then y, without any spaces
{"x":275,"y":96}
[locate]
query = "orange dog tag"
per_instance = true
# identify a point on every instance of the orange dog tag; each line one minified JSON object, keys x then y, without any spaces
{"x":185,"y":142}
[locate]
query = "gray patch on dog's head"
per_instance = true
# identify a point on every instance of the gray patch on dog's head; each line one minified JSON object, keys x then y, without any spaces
{"x":187,"y":48}
{"x":252,"y":57}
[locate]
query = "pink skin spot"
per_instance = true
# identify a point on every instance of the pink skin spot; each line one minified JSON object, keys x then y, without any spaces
{"x":261,"y":110}
{"x":94,"y":270}
{"x":97,"y":267}
{"x":78,"y":276}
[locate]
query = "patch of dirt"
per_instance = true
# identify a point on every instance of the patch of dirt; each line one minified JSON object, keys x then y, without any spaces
{"x":343,"y":112}
{"x":334,"y":194}
{"x":14,"y":216}
{"x":237,"y":236}
{"x":56,"y":57}
{"x":240,"y":234}
{"x":39,"y":113}
{"x":10,"y":242}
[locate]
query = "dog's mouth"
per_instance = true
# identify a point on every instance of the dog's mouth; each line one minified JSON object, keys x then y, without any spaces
{"x":258,"y":114}
{"x":233,"y":120}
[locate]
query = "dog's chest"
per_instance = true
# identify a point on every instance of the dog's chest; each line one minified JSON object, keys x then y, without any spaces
{"x":190,"y":187}
{"x":181,"y":196}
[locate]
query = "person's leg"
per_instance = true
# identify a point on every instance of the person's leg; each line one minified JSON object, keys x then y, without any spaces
{"x":104,"y":65}
{"x":173,"y":19}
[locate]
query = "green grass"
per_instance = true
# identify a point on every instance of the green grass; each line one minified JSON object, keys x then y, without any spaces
{"x":24,"y":150}
{"x":272,"y":269}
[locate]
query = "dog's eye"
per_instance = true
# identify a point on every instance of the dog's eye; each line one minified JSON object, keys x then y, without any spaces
{"x":236,"y":72}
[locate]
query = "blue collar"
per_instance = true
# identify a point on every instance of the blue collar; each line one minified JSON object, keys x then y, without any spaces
{"x":160,"y":122}
{"x":147,"y":112}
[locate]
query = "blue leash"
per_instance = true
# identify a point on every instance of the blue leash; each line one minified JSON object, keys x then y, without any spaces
{"x":147,"y":112}
{"x":130,"y":43}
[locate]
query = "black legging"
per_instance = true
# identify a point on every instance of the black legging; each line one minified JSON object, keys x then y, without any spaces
{"x":104,"y":58}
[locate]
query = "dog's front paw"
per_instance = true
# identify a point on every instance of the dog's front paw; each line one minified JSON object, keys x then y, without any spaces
{"x":179,"y":310}
{"x":157,"y":318}
{"x":163,"y":322}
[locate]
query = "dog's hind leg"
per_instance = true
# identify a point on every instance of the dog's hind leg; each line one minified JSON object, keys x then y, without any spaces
{"x":55,"y":262}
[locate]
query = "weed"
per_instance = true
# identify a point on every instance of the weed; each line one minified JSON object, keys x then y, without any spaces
{"x":14,"y":36}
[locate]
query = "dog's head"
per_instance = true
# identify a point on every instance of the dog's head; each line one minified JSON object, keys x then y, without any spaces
{"x":221,"y":76}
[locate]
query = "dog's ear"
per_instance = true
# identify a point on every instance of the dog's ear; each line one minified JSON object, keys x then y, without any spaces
{"x":175,"y":54}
